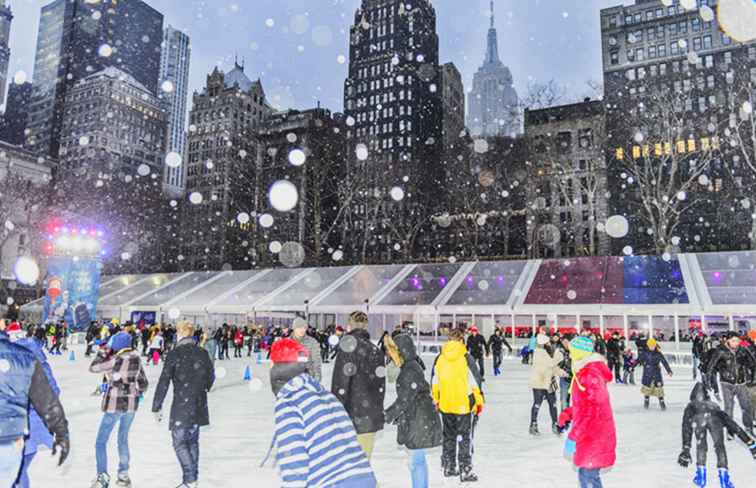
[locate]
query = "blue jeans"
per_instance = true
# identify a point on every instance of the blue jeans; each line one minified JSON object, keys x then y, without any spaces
{"x":11,"y":455}
{"x":589,"y":478}
{"x":418,"y":468}
{"x":109,"y":420}
{"x":186,"y":445}
{"x":23,"y":477}
{"x":564,"y":393}
{"x":696,"y":363}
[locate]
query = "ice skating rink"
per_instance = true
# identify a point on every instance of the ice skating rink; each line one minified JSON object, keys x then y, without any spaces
{"x":233,"y":447}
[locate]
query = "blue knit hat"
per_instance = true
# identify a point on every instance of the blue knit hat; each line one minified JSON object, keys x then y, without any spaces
{"x":581,"y":347}
{"x":122,"y":340}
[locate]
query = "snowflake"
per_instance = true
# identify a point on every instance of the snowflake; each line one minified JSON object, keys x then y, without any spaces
{"x":82,"y":281}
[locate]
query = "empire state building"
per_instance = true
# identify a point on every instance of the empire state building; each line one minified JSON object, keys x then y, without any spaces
{"x":494,"y":105}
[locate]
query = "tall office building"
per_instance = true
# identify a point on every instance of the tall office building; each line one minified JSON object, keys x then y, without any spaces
{"x":453,"y":104}
{"x":673,"y":82}
{"x":392,"y":101}
{"x":493,"y":102}
{"x":6,"y":17}
{"x":16,"y":113}
{"x":77,"y":38}
{"x":174,"y":89}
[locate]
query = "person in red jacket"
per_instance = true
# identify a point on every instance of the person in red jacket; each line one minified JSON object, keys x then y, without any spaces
{"x":592,"y":441}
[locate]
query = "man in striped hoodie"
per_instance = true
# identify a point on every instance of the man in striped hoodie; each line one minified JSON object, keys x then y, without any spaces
{"x":315,"y":441}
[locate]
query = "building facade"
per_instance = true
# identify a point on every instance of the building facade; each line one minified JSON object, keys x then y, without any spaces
{"x":493,"y":104}
{"x":453,"y":104}
{"x":567,"y":187}
{"x":221,"y":151}
{"x":77,"y":38}
{"x":174,"y":91}
{"x":6,"y":17}
{"x":16,"y":115}
{"x":392,"y":101}
{"x":675,"y":84}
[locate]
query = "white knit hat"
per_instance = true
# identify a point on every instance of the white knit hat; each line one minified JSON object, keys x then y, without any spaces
{"x":542,"y":339}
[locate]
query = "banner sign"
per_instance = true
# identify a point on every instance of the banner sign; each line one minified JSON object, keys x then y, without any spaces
{"x":72,"y":291}
{"x":149,"y":318}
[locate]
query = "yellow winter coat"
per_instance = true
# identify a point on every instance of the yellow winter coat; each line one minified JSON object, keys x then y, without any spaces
{"x":454,"y":380}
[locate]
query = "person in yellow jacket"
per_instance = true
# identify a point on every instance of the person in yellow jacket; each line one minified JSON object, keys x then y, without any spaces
{"x":456,"y":389}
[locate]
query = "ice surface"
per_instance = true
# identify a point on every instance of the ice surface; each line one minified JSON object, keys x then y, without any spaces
{"x":505,"y":455}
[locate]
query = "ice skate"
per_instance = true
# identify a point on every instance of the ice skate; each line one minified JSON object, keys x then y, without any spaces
{"x":451,"y":472}
{"x":700,"y":479}
{"x":662,"y":404}
{"x":646,"y":403}
{"x":123,"y":480}
{"x":467,"y":475}
{"x":534,"y":429}
{"x":724,"y":479}
{"x":102,"y":481}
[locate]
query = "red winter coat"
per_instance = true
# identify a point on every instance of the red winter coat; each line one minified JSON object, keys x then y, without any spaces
{"x":592,"y":419}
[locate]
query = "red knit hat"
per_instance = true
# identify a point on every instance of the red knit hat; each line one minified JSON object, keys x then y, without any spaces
{"x":15,"y":332}
{"x":288,"y":351}
{"x":473,"y":329}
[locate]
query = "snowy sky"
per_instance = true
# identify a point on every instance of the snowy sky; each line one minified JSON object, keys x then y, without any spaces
{"x":297,"y":59}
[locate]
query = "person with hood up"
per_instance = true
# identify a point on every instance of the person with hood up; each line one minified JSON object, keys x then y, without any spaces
{"x":312,"y":449}
{"x":543,"y":376}
{"x":299,"y":334}
{"x":418,"y":423}
{"x":190,"y":369}
{"x":704,"y":417}
{"x":495,"y":345}
{"x":126,"y":383}
{"x":478,"y":349}
{"x":652,"y":360}
{"x":592,"y":439}
{"x":456,"y":388}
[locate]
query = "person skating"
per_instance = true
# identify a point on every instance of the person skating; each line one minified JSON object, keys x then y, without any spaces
{"x":704,"y":417}
{"x":495,"y":345}
{"x":478,"y":349}
{"x":238,"y":337}
{"x":156,"y":347}
{"x":457,"y":393}
{"x":312,"y":449}
{"x":629,"y":363}
{"x":652,"y":360}
{"x":126,"y":384}
{"x":543,"y":376}
{"x":24,"y":383}
{"x":614,"y":349}
{"x":189,"y":368}
{"x":357,"y":382}
{"x":592,"y":439}
{"x":697,"y":353}
{"x":565,"y":376}
{"x":299,"y":334}
{"x":735,"y":366}
{"x":418,"y":423}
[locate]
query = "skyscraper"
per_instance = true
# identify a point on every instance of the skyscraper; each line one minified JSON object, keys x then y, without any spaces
{"x":392,"y":101}
{"x":453,"y":104}
{"x":6,"y":17}
{"x":493,"y":102}
{"x":174,"y":86}
{"x":77,"y":38}
{"x":16,"y":113}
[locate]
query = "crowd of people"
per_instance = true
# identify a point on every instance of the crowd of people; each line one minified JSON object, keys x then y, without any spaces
{"x":570,"y":372}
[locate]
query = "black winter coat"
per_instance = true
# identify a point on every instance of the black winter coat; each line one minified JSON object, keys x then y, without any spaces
{"x":496,"y":343}
{"x":357,"y":381}
{"x":614,"y":348}
{"x":476,"y":346}
{"x":736,"y":368}
{"x":652,"y":362}
{"x":419,"y":425}
{"x":191,"y":371}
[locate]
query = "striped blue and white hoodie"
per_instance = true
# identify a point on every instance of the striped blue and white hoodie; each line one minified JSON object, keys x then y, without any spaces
{"x":315,"y":441}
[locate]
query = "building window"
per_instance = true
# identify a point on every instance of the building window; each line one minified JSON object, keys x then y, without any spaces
{"x":707,"y":42}
{"x":639,"y":54}
{"x":585,"y":137}
{"x":651,"y":52}
{"x":614,"y":58}
{"x":709,"y":61}
{"x":726,"y":40}
{"x":674,"y":48}
{"x":697,"y":44}
{"x":682,"y":27}
{"x":673,"y":28}
{"x":661,"y":50}
{"x":695,"y":24}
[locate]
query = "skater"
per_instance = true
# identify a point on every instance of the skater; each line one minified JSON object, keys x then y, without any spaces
{"x":419,"y":426}
{"x":629,"y":363}
{"x":698,"y":352}
{"x":543,"y":376}
{"x":238,"y":342}
{"x":312,"y":449}
{"x":456,"y":387}
{"x":190,"y":369}
{"x":156,"y":347}
{"x":299,"y":334}
{"x":495,"y":343}
{"x":565,"y":375}
{"x":356,"y":381}
{"x":735,"y":366}
{"x":652,"y":360}
{"x":614,"y":349}
{"x":478,"y":349}
{"x":26,"y":383}
{"x":704,"y":415}
{"x":126,"y":383}
{"x":592,"y":439}
{"x":210,"y":345}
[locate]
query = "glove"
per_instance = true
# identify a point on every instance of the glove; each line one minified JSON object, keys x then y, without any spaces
{"x":158,"y":416}
{"x":478,"y":410}
{"x":684,"y":459}
{"x":569,"y":448}
{"x":64,"y":444}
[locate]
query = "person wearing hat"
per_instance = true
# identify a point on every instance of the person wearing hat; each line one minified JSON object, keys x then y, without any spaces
{"x":652,"y":360}
{"x":24,"y":383}
{"x":126,"y":383}
{"x":543,"y":376}
{"x":299,"y":334}
{"x":592,"y":439}
{"x":735,"y":366}
{"x":312,"y":449}
{"x":478,"y":349}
